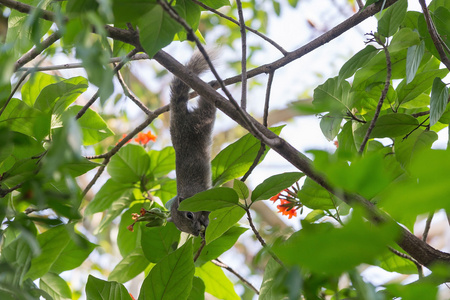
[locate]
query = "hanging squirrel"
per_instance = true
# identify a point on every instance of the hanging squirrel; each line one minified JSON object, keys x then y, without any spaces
{"x":191,"y":130}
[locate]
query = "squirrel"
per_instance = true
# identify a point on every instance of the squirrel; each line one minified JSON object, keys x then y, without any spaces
{"x":191,"y":133}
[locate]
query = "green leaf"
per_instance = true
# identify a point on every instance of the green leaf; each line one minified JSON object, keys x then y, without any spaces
{"x":221,"y":220}
{"x":269,"y":286}
{"x":330,"y":125}
{"x":216,"y":4}
{"x":333,"y":96}
{"x":61,"y":251}
{"x":425,"y":191}
{"x":392,"y":18}
{"x":235,"y":160}
{"x":198,"y":289}
{"x":55,"y":286}
{"x":358,"y":60}
{"x":403,"y":39}
{"x":56,"y":97}
{"x":21,"y":118}
{"x":406,"y":149}
{"x":73,"y":254}
{"x":162,"y":162}
{"x":114,"y":211}
{"x":171,"y":278}
{"x":97,"y":289}
{"x":216,"y":283}
{"x":190,"y":12}
{"x":274,"y":185}
{"x":129,"y":165}
{"x":209,"y":200}
{"x":420,"y":84}
{"x":413,"y":59}
{"x":110,"y":192}
{"x":93,"y":127}
{"x":156,"y":30}
{"x":390,"y":125}
{"x":241,"y":189}
{"x":421,"y":290}
{"x":313,"y":196}
{"x":158,"y":242}
{"x":18,"y":255}
{"x":438,"y":100}
{"x":130,"y":10}
{"x":52,"y":243}
{"x":127,"y":240}
{"x":33,"y":87}
{"x":355,"y":243}
{"x":129,"y":267}
{"x":393,"y":263}
{"x":217,"y":247}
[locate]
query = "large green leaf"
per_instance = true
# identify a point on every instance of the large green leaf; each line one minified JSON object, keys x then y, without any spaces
{"x":209,"y":200}
{"x":55,"y":286}
{"x":130,"y":10}
{"x":438,"y":100}
{"x":421,"y":83}
{"x":110,"y":192}
{"x":269,"y":286}
{"x":406,"y":149}
{"x":129,"y":267}
{"x":18,"y":254}
{"x":56,"y":97}
{"x":156,"y":30}
{"x":198,"y":289}
{"x":93,"y":127}
{"x":392,"y":18}
{"x":275,"y":184}
{"x":235,"y":160}
{"x":171,"y":278}
{"x":129,"y":165}
{"x":33,"y":87}
{"x":390,"y":125}
{"x":333,"y":96}
{"x":21,"y":118}
{"x":216,"y":283}
{"x":158,"y":242}
{"x":221,"y":220}
{"x":162,"y":162}
{"x":313,"y":196}
{"x":217,"y":247}
{"x":403,"y":39}
{"x":127,"y":240}
{"x":325,"y":249}
{"x":358,"y":60}
{"x":97,"y":289}
{"x":413,"y":59}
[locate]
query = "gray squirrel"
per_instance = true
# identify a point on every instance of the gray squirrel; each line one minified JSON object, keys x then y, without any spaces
{"x":191,"y":132}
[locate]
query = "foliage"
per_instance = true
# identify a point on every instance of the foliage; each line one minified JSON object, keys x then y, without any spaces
{"x":384,"y":109}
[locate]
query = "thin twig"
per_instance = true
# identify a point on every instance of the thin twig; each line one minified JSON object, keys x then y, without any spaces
{"x":360,"y":4}
{"x":382,"y":97}
{"x":434,"y":35}
{"x":4,"y":192}
{"x":199,"y":251}
{"x":19,"y":82}
{"x":420,"y":114}
{"x":36,"y":50}
{"x":219,"y":263}
{"x":270,"y":41}
{"x":427,"y":227}
{"x":417,"y":127}
{"x":138,"y":56}
{"x":260,"y":239}
{"x":406,"y":256}
{"x":130,"y":95}
{"x":95,"y":96}
{"x":244,"y":55}
{"x":260,"y":153}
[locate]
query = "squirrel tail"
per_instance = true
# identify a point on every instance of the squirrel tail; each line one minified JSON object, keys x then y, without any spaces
{"x":197,"y":64}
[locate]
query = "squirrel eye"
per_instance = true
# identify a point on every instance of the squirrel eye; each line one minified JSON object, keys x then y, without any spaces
{"x":190,"y":215}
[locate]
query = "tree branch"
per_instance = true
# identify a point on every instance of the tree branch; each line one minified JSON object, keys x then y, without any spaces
{"x":219,"y":263}
{"x":382,"y":97}
{"x":434,"y":34}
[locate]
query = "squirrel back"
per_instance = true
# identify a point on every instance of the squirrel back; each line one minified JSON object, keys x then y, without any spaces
{"x":191,"y":133}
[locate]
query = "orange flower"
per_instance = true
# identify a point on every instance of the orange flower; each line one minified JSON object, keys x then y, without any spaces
{"x":144,"y":138}
{"x":285,"y":210}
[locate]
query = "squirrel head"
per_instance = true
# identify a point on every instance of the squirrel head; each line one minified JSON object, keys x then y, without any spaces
{"x":194,"y":223}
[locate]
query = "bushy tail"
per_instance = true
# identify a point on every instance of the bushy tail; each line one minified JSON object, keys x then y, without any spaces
{"x":197,"y":64}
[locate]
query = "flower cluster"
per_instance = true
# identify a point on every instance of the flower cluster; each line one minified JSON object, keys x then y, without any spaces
{"x":154,"y":217}
{"x":288,"y":202}
{"x":142,"y":138}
